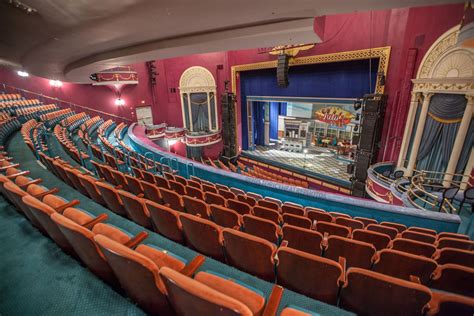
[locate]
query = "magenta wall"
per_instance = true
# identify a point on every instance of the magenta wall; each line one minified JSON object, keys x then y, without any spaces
{"x":409,"y":31}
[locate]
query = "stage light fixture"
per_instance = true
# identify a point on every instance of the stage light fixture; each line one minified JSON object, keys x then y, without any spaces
{"x":305,"y":151}
{"x":356,"y":128}
{"x":357,"y":104}
{"x":22,"y":73}
{"x":55,"y":83}
{"x":119,"y":102}
{"x":357,"y":117}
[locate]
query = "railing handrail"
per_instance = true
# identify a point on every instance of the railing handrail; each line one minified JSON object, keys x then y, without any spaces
{"x":71,"y":104}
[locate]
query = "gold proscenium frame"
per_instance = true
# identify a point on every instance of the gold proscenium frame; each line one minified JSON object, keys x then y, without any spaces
{"x":382,"y":53}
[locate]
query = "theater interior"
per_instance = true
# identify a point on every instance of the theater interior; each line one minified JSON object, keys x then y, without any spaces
{"x":248,"y":158}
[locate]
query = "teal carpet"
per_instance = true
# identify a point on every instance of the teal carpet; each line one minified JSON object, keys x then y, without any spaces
{"x":38,"y":278}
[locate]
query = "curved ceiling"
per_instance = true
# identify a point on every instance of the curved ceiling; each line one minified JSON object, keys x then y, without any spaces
{"x":70,"y":39}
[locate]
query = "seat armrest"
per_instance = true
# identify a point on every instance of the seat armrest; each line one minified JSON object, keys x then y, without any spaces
{"x":284,"y":243}
{"x":135,"y":241}
{"x":22,"y":173}
{"x":43,"y":194}
{"x":36,"y":181}
{"x":342,"y":262}
{"x":415,"y":279}
{"x":90,"y":224}
{"x":72,"y":203}
{"x":10,"y":166}
{"x":192,"y":266}
{"x":273,"y":301}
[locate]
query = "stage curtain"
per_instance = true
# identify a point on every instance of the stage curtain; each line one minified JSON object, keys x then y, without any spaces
{"x":274,"y":112}
{"x":199,"y":112}
{"x":466,"y":149}
{"x":194,"y":152}
{"x":444,"y":116}
{"x":258,"y":123}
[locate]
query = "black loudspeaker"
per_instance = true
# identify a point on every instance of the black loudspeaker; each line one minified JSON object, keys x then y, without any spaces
{"x":229,"y":131}
{"x":350,"y":168}
{"x":282,"y":70}
{"x":358,"y":189}
{"x":362,"y":163}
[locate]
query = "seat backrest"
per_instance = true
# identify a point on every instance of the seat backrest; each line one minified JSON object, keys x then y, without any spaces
{"x":209,"y":188}
{"x":403,"y":265}
{"x":338,"y":214}
{"x":370,"y":293}
{"x":134,"y":185}
{"x":203,"y":235}
{"x":267,"y":213}
{"x":249,"y":253}
{"x":451,"y":304}
{"x":255,"y":196}
{"x":415,"y":235}
{"x":120,"y":179}
{"x":452,"y":235}
{"x":333,"y":229}
{"x":111,"y":198}
{"x":319,"y":216}
{"x":196,"y":207}
{"x":454,"y":278}
{"x":412,"y":246}
{"x":297,"y":220}
{"x":194,"y":184}
{"x":135,"y":208}
{"x":238,"y":206}
{"x":191,"y":297}
{"x":296,"y":267}
{"x":379,"y":240}
{"x":366,"y":221}
{"x":389,"y":231}
{"x":152,"y":192}
{"x":195,"y":192}
{"x":226,"y":194}
{"x":448,"y":242}
{"x":165,"y":221}
{"x":138,"y":276}
{"x":269,"y":204}
{"x":454,"y":255}
{"x":349,"y":222}
{"x":213,"y":198}
{"x":249,"y":199}
{"x":172,"y":199}
{"x":225,"y":217}
{"x":422,"y":230}
{"x":177,"y":187}
{"x":357,"y":253}
{"x":81,"y":239}
{"x":89,"y":184}
{"x":162,"y":182}
{"x":262,"y":228}
{"x":181,"y":180}
{"x":303,"y":239}
{"x":397,"y":226}
{"x":293,"y":209}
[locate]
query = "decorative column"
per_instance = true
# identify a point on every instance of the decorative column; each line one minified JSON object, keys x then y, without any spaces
{"x":468,"y":171}
{"x":459,"y":142}
{"x":408,"y":128}
{"x":419,"y":133}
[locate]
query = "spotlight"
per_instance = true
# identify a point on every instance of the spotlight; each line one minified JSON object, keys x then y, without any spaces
{"x":171,"y":142}
{"x":119,"y":102}
{"x":93,"y":77}
{"x":356,"y":128}
{"x":22,"y":73}
{"x":382,"y":78}
{"x":55,"y":83}
{"x":357,"y":117}
{"x":305,"y":151}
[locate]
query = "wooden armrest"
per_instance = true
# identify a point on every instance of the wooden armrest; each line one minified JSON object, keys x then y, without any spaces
{"x":90,"y":224}
{"x":342,"y":262}
{"x":191,"y":267}
{"x":72,"y":203}
{"x":273,"y":301}
{"x":141,"y":195}
{"x":284,"y":243}
{"x":100,"y":180}
{"x":325,"y":240}
{"x":415,"y":279}
{"x":22,"y":173}
{"x":10,"y":166}
{"x":42,"y":194}
{"x":36,"y":181}
{"x":132,"y":243}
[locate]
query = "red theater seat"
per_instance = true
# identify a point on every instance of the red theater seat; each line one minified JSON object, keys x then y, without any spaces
{"x":238,"y":206}
{"x":134,"y":185}
{"x":111,"y":198}
{"x":262,"y":228}
{"x":357,"y":253}
{"x":399,"y":227}
{"x":196,"y":207}
{"x":333,"y":229}
{"x":166,"y":221}
{"x":415,"y":235}
{"x":349,"y":222}
{"x":89,"y":183}
{"x":226,"y":194}
{"x":172,"y":199}
{"x":422,"y":230}
{"x":379,"y":240}
{"x":366,"y":221}
{"x":319,"y":216}
{"x":213,"y":198}
{"x":203,"y":235}
{"x":453,"y":278}
{"x":177,"y":187}
{"x":452,"y":235}
{"x":136,"y":208}
{"x":457,"y":243}
{"x":371,"y":293}
{"x":294,"y":209}
{"x":161,"y":182}
{"x":152,"y":192}
{"x":194,"y":192}
{"x":250,"y":254}
{"x":389,"y":231}
{"x":296,"y":220}
{"x":296,"y":269}
{"x":267,"y":213}
{"x":303,"y":239}
{"x":412,"y":246}
{"x":455,"y":256}
{"x":226,"y":217}
{"x":444,"y":304}
{"x":269,"y":204}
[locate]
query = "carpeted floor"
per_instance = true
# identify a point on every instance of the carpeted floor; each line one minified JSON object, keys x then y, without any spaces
{"x":36,"y":277}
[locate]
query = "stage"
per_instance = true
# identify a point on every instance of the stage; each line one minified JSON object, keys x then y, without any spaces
{"x":324,"y":163}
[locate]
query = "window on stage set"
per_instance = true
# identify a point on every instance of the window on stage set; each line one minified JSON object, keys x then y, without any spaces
{"x":199,"y":107}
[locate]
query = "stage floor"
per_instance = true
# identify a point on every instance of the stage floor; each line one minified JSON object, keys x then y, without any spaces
{"x":318,"y":159}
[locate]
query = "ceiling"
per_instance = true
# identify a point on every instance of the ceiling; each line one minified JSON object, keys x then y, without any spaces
{"x":70,"y":39}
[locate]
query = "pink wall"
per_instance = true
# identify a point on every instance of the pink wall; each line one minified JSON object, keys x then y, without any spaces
{"x":409,"y":32}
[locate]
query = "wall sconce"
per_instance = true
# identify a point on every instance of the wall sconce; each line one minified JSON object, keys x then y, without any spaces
{"x":56,"y":83}
{"x":119,"y":102}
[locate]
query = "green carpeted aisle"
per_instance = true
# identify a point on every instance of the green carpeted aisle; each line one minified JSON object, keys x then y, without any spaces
{"x":37,"y":277}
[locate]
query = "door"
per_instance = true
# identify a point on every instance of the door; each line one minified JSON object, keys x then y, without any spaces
{"x":144,"y":115}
